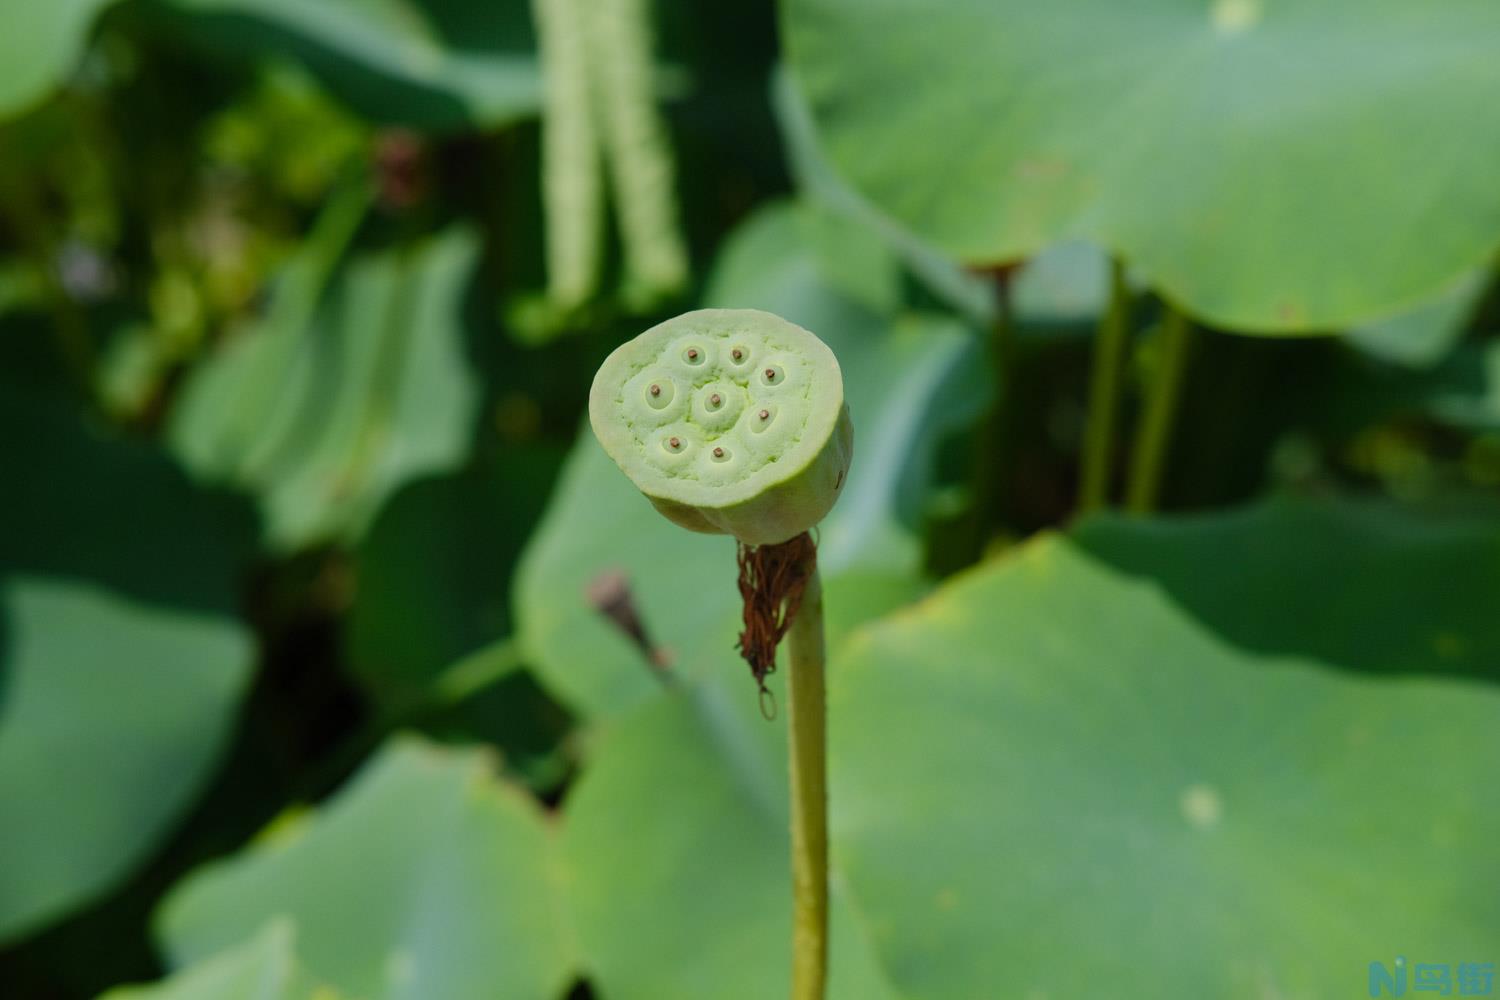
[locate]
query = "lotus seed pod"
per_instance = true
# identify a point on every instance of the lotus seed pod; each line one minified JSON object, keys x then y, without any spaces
{"x":730,"y":421}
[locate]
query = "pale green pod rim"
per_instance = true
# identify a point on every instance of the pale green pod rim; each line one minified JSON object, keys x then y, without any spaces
{"x":819,"y":398}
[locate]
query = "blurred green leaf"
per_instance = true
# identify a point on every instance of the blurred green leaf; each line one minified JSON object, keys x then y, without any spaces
{"x":121,"y":663}
{"x":902,"y":378}
{"x":114,"y":714}
{"x":263,"y":968}
{"x":1470,"y":397}
{"x":39,"y":47}
{"x":426,"y":877}
{"x":1272,"y":167}
{"x":1460,"y":390}
{"x":834,"y":275}
{"x":1123,"y":796}
{"x":1064,"y":286}
{"x":682,"y":586}
{"x":435,"y":568}
{"x":82,"y":503}
{"x":327,"y":408}
{"x":819,"y":181}
{"x":438,"y":64}
{"x":1424,"y":336}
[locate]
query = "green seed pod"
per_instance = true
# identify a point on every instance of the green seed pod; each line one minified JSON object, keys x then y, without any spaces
{"x":730,"y":421}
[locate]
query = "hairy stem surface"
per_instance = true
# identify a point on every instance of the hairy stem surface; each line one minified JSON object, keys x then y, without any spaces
{"x":807,"y":727}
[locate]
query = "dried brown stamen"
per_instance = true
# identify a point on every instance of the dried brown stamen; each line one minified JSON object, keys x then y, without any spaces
{"x":772,"y":580}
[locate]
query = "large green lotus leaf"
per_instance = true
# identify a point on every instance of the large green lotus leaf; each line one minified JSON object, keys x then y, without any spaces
{"x":1412,"y":593}
{"x":821,"y":183}
{"x":325,"y":409}
{"x":1090,"y":787}
{"x":114,"y":714}
{"x":899,"y":373}
{"x":1272,"y":166}
{"x":677,"y":848}
{"x":39,"y":46}
{"x":1061,"y":288}
{"x":426,"y":878}
{"x":439,"y":64}
{"x":263,"y":968}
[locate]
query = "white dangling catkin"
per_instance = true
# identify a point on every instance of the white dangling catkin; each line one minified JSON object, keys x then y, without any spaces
{"x":638,"y":149}
{"x":572,"y":181}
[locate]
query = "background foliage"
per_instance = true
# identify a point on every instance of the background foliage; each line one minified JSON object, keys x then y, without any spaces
{"x":313,"y":679}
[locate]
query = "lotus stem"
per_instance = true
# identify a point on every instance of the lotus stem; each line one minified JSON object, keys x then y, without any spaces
{"x":1104,"y":394}
{"x":1155,"y":432}
{"x":807,"y":719}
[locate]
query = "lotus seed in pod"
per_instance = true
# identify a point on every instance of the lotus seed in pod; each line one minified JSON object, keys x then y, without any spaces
{"x":730,"y":421}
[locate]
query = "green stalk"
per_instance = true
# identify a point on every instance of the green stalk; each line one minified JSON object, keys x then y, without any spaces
{"x":992,"y":441}
{"x":1154,"y":433}
{"x":475,"y":673}
{"x":1104,"y":394}
{"x":807,"y":718}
